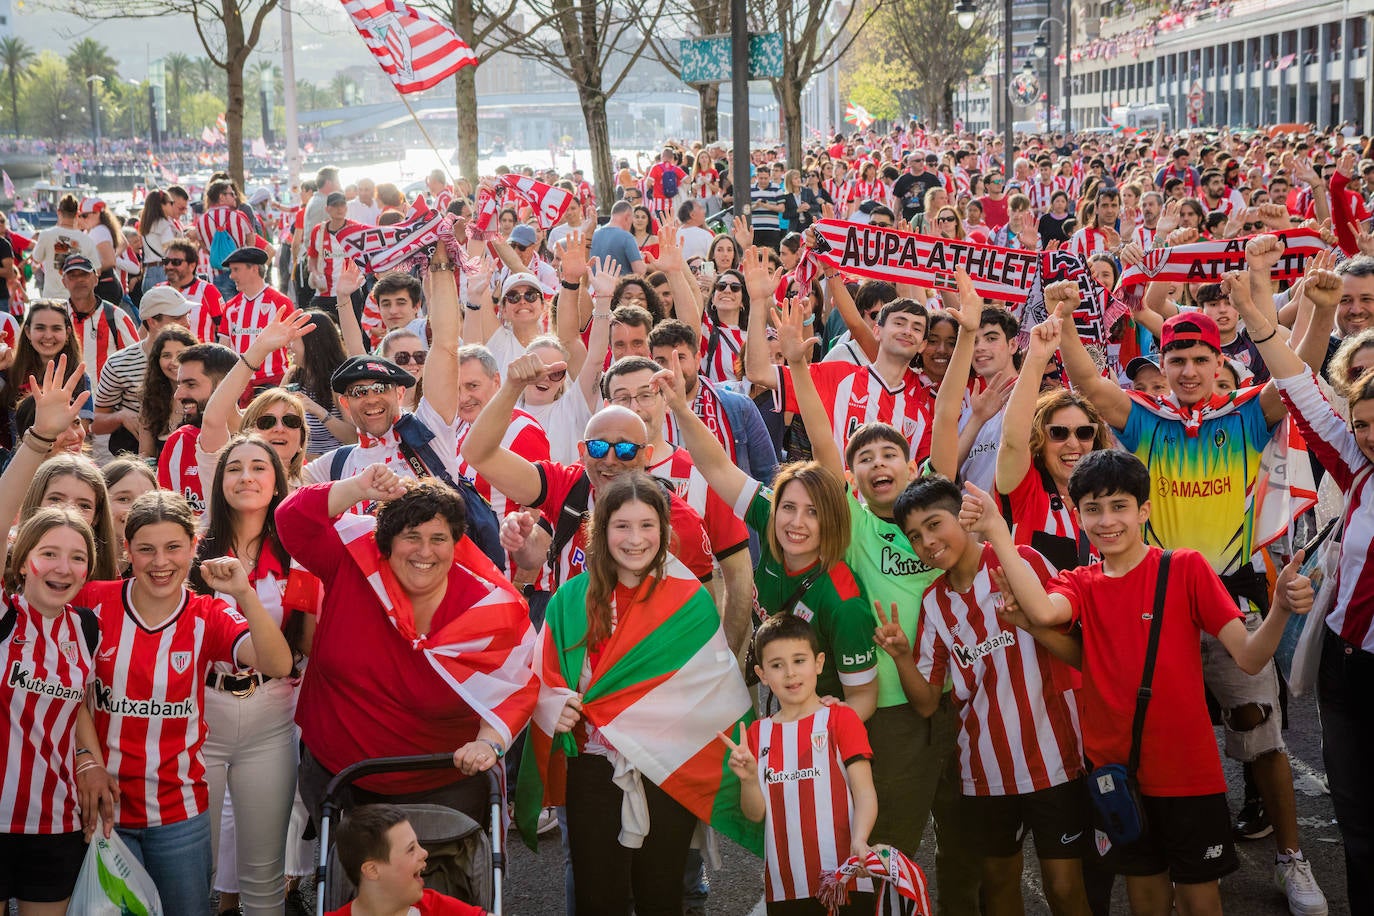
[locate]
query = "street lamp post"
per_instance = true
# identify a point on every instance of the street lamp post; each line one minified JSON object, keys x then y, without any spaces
{"x":1041,"y":50}
{"x":966,"y":13}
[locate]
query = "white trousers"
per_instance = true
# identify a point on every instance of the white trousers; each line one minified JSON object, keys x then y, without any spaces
{"x":250,"y":756}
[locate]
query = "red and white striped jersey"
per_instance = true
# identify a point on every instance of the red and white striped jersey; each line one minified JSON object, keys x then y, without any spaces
{"x":1018,"y":729}
{"x":245,"y":316}
{"x":720,"y":347}
{"x":47,"y":668}
{"x":224,"y":219}
{"x":9,"y":330}
{"x":963,"y":182}
{"x":1040,"y":193}
{"x":1143,"y":236}
{"x":177,"y":467}
{"x":149,"y":690}
{"x":724,"y":528}
{"x":1086,"y":242}
{"x":525,"y":437}
{"x":807,"y":798}
{"x":99,"y":339}
{"x":701,"y":182}
{"x":1328,"y":437}
{"x":325,"y":244}
{"x":855,"y":395}
{"x":707,"y":406}
{"x":207,"y":310}
{"x":868,"y":190}
{"x":838,"y":190}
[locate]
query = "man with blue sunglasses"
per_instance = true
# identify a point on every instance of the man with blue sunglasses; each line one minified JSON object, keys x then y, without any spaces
{"x":616,"y":442}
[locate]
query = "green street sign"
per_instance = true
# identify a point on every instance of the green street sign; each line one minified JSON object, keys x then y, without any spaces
{"x":707,"y":60}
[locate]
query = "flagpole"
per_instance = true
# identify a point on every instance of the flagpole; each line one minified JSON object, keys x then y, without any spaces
{"x":443,"y":163}
{"x":288,"y":73}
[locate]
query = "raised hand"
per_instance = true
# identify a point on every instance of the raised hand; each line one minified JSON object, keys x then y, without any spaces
{"x":55,"y":409}
{"x":1294,"y":589}
{"x":1062,"y":298}
{"x":525,"y":370}
{"x":669,"y":251}
{"x":1182,"y":237}
{"x":987,"y":403}
{"x":1322,"y":287}
{"x":378,"y":483}
{"x":790,"y":322}
{"x":671,"y":383}
{"x":605,"y":275}
{"x":350,"y":280}
{"x":1262,"y":253}
{"x":285,"y":326}
{"x":225,"y":574}
{"x":739,"y":228}
{"x":741,"y":761}
{"x":759,"y":278}
{"x":889,"y":635}
{"x":1274,"y":216}
{"x":574,"y":260}
{"x":1045,"y":338}
{"x":1169,"y":218}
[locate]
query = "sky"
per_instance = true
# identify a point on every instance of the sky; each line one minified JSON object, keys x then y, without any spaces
{"x":317,"y":27}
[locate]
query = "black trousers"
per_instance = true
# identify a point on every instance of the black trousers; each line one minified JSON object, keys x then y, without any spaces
{"x":1345,"y":684}
{"x":608,"y":879}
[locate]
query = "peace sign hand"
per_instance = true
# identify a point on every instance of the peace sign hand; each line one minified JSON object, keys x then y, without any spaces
{"x":741,"y":761}
{"x":889,"y":634}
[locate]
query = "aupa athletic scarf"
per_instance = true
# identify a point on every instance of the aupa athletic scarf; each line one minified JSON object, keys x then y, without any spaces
{"x":665,"y":683}
{"x":485,"y":653}
{"x":1205,"y":262}
{"x":903,"y":257}
{"x":548,"y":203}
{"x":383,"y":248}
{"x":904,"y":890}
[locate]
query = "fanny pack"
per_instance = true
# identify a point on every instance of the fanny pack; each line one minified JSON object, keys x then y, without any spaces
{"x":1113,"y":787}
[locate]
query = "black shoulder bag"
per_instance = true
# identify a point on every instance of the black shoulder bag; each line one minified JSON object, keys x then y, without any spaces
{"x":751,"y":658}
{"x":1113,"y":787}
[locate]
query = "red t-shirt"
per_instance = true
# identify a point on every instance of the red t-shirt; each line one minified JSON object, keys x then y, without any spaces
{"x":368,"y":692}
{"x":1179,"y":751}
{"x":432,"y":903}
{"x":177,"y":467}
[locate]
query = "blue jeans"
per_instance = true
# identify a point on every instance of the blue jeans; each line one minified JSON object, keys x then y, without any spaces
{"x":153,"y":274}
{"x":227,"y":288}
{"x":177,"y":857}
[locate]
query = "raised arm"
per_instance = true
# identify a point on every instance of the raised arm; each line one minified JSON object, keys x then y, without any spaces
{"x":944,"y":434}
{"x":796,"y":350}
{"x":506,"y":471}
{"x":222,"y":414}
{"x":1322,"y":286}
{"x":979,"y":515}
{"x":351,"y":280}
{"x":1013,"y":453}
{"x":603,"y":280}
{"x":686,"y":294}
{"x":707,"y":453}
{"x":441,"y":368}
{"x":480,"y":318}
{"x":761,"y":283}
{"x":55,"y":408}
{"x":858,"y":326}
{"x":1115,"y":406}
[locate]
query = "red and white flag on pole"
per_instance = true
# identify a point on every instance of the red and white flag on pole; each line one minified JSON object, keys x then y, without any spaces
{"x":415,"y":50}
{"x":9,"y":185}
{"x":221,"y":124}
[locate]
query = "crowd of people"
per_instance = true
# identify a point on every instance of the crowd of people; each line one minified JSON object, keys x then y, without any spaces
{"x":675,"y":524}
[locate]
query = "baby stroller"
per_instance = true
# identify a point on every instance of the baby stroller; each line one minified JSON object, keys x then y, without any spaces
{"x":465,"y":861}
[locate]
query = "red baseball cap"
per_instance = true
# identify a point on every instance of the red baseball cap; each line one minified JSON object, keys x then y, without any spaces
{"x":1191,"y":327}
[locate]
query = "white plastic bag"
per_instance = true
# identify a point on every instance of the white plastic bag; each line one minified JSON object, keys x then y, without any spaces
{"x":113,"y":883}
{"x":1307,"y":656}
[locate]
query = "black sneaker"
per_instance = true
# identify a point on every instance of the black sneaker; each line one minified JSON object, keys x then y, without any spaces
{"x":1252,"y":823}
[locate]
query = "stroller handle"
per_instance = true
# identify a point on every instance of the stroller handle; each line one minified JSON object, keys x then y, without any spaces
{"x":364,"y":768}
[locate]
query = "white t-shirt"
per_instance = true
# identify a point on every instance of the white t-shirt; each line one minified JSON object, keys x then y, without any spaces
{"x":694,"y":241}
{"x":506,"y":348}
{"x":363,"y":213}
{"x":980,"y":468}
{"x":52,"y":247}
{"x":564,"y":422}
{"x":845,"y":350}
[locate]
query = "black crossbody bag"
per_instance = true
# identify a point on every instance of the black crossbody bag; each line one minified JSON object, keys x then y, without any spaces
{"x":751,"y":659}
{"x":1113,"y":787}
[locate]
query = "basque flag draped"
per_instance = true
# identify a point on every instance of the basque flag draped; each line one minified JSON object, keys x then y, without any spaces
{"x":415,"y":50}
{"x":665,"y":683}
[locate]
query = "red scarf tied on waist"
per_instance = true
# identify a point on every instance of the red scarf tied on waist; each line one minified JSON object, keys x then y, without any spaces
{"x":484,"y":654}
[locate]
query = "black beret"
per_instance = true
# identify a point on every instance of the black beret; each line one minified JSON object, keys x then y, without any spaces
{"x":368,"y":369}
{"x":248,"y":254}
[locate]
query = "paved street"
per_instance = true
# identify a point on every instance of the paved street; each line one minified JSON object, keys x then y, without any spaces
{"x":535,"y":886}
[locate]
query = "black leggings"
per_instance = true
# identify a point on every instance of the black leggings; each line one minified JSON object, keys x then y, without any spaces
{"x":610,"y":880}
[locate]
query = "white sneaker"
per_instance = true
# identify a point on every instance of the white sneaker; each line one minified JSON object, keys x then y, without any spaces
{"x":1295,"y":879}
{"x":548,"y":821}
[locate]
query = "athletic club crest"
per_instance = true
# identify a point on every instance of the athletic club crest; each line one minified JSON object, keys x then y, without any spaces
{"x":69,"y":650}
{"x":818,"y":741}
{"x":1153,"y":261}
{"x":181,"y":661}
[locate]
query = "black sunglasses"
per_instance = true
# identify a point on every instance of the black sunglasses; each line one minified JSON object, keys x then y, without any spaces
{"x":268,"y":421}
{"x":530,"y":295}
{"x":599,"y":448}
{"x":406,"y":357}
{"x":731,"y":285}
{"x":176,"y":262}
{"x":1086,"y":433}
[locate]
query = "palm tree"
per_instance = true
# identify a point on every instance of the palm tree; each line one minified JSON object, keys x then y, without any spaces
{"x":91,"y":62}
{"x":178,"y":68}
{"x":15,"y":56}
{"x":340,"y":86}
{"x":207,"y":73}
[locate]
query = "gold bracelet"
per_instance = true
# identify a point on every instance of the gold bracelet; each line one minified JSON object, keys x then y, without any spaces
{"x":446,"y":266}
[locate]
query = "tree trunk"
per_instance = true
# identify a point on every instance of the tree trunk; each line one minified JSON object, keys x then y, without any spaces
{"x":788,"y":93}
{"x":599,"y":143}
{"x":14,"y":101}
{"x":465,"y":93}
{"x":233,"y":117}
{"x":465,"y":87}
{"x":709,"y":96}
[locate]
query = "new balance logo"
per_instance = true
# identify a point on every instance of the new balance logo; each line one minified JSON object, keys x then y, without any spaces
{"x":1213,"y":852}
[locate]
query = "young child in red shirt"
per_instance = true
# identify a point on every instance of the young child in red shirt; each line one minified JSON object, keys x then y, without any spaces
{"x":805,"y":771}
{"x":383,"y":858}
